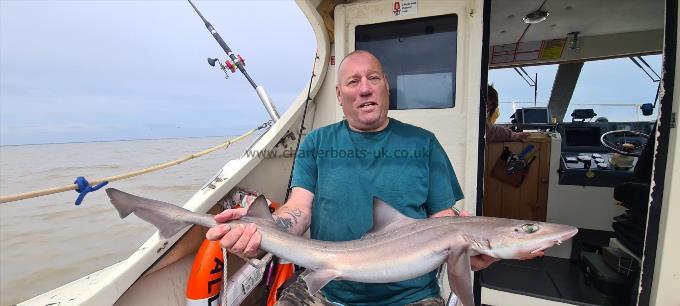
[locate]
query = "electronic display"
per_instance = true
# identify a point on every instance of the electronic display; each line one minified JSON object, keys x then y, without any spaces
{"x":535,"y":115}
{"x":582,"y":136}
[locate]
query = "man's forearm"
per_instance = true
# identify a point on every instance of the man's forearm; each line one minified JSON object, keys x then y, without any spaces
{"x":292,"y":220}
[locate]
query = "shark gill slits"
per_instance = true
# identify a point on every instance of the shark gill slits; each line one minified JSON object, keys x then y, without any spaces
{"x":530,"y":228}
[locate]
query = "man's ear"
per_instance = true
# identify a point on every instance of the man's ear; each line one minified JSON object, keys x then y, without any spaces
{"x":337,"y":93}
{"x":387,"y":83}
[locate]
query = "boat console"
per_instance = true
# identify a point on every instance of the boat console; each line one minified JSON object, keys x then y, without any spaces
{"x":585,"y":161}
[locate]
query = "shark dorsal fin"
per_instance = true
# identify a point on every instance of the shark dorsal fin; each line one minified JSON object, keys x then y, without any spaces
{"x":259,"y":208}
{"x":385,"y":218}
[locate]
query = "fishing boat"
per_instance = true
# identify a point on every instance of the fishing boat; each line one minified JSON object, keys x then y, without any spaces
{"x":438,"y":55}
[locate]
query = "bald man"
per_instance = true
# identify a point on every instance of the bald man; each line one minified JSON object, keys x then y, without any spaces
{"x":338,"y":170}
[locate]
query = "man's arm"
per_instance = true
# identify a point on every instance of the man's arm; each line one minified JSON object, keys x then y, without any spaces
{"x":296,"y":215}
{"x":293,"y":217}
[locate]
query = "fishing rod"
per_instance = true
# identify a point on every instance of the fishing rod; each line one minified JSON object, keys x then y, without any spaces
{"x":236,"y":62}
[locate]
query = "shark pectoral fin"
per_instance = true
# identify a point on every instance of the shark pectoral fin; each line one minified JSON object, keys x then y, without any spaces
{"x":317,"y":279}
{"x":259,"y":263}
{"x":256,"y":263}
{"x":458,"y":267}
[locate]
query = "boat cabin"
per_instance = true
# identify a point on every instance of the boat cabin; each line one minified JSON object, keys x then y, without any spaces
{"x":577,"y":163}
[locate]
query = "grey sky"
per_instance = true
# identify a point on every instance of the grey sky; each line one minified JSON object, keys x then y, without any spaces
{"x":107,"y":70}
{"x":104,"y":70}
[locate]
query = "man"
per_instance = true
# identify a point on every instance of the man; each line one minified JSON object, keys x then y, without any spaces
{"x":340,"y":168}
{"x":495,"y":133}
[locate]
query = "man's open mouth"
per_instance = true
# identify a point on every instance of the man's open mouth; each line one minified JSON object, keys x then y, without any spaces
{"x":367,"y":104}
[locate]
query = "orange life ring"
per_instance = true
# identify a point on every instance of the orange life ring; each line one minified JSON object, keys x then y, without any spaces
{"x":205,"y":280}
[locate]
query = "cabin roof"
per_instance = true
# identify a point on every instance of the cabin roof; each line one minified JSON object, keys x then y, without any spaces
{"x":589,"y":18}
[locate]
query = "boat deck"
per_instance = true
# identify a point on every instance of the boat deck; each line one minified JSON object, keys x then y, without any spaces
{"x":552,"y":278}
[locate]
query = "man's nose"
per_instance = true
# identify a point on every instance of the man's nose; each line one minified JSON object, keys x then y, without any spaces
{"x":365,"y":88}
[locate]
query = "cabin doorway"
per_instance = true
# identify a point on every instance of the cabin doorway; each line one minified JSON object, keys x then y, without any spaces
{"x":564,"y":90}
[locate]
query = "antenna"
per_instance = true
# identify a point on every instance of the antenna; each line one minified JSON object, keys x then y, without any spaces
{"x":527,"y":78}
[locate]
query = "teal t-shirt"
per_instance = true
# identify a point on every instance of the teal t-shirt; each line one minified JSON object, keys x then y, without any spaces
{"x":403,"y":165}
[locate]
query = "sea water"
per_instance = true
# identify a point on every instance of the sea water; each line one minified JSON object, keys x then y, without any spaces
{"x":48,"y":241}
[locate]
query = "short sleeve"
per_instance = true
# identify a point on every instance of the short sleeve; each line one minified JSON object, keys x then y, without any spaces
{"x":444,"y":190}
{"x":305,"y":170}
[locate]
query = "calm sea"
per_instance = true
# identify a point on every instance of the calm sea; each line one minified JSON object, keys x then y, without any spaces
{"x":47,"y":242}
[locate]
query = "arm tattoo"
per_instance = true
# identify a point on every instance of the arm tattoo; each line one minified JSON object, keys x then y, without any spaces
{"x":284,"y":223}
{"x":287,"y":223}
{"x":295,"y":214}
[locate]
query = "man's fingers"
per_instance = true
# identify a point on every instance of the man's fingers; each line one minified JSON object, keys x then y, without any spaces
{"x":230,"y":214}
{"x":240,"y":244}
{"x":216,"y":232}
{"x":465,"y":213}
{"x":532,"y":255}
{"x":488,"y":258}
{"x":481,"y":261}
{"x":253,"y":245}
{"x":231,"y":237}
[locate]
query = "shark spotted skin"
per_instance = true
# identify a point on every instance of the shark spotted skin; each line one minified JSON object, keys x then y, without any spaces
{"x":380,"y":256}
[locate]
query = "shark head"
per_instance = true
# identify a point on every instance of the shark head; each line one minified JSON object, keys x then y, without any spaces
{"x":514,"y":239}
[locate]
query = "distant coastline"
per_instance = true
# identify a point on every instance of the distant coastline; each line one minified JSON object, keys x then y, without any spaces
{"x":114,"y":140}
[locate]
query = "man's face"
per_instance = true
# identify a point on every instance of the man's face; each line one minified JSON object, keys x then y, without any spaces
{"x":363,"y":93}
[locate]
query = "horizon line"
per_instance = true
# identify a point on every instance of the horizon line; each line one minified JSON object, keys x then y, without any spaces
{"x":111,"y":140}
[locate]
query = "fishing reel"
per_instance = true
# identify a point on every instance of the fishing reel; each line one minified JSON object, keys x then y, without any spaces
{"x":228,"y":64}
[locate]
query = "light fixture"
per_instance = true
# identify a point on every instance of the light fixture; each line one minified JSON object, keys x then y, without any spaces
{"x":536,"y":17}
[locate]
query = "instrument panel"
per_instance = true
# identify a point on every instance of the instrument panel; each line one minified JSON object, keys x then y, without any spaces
{"x":584,"y":161}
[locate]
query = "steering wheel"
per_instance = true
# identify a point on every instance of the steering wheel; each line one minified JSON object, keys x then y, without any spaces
{"x":620,"y":138}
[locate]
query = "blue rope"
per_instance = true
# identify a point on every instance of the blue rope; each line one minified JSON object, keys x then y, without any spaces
{"x":84,"y":187}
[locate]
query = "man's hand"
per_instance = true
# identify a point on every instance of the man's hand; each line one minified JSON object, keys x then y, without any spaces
{"x":531,"y":255}
{"x":294,"y":217}
{"x":523,"y":136}
{"x":464,"y":213}
{"x":244,"y":241}
{"x":481,"y":261}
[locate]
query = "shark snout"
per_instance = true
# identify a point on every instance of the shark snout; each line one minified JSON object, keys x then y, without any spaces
{"x":560,"y":236}
{"x":566,"y":236}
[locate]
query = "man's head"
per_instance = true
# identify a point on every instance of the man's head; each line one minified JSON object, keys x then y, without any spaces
{"x":491,"y":100}
{"x":363,"y":92}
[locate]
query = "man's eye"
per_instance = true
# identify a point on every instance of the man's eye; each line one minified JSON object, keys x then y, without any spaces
{"x":351,"y":82}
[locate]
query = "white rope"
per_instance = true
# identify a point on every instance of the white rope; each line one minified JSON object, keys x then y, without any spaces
{"x":225,"y":278}
{"x":47,"y":191}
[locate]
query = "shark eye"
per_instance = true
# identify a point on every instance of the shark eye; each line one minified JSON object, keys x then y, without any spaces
{"x":530,"y":228}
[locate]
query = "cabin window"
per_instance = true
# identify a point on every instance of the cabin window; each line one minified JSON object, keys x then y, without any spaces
{"x":419,"y":57}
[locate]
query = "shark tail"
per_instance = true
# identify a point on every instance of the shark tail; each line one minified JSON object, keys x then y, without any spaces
{"x":121,"y":201}
{"x":167,"y":218}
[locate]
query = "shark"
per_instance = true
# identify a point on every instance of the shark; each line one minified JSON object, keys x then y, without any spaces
{"x":396,"y":249}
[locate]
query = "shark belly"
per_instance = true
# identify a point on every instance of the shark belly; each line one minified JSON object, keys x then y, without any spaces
{"x":397,"y":261}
